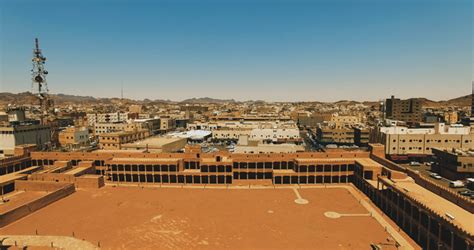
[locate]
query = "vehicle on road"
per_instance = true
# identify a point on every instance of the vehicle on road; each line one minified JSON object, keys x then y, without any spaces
{"x":456,"y":184}
{"x":466,"y":193}
{"x":436,"y":176}
{"x":414,"y":164}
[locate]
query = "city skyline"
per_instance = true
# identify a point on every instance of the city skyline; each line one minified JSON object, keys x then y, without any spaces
{"x":272,"y":51}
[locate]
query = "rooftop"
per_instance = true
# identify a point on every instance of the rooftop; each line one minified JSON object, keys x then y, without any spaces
{"x":177,"y":218}
{"x":462,"y":217}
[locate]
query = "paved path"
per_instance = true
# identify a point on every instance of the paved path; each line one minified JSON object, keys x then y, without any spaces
{"x":62,"y":242}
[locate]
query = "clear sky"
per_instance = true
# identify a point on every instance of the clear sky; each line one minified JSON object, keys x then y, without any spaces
{"x":278,"y":50}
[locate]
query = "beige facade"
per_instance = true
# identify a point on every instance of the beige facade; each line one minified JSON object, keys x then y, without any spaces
{"x":229,"y":134}
{"x":329,"y":135}
{"x":451,"y":117}
{"x":454,"y":164}
{"x":404,"y":110}
{"x":422,"y":144}
{"x":114,"y":140}
{"x":167,"y":124}
{"x":11,"y":136}
{"x":157,"y":145}
{"x":73,"y":136}
{"x":106,"y":118}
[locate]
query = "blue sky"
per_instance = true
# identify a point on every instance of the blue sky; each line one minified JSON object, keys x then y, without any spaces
{"x":272,"y":50}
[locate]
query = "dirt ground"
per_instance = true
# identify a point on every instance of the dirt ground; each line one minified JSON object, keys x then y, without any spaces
{"x":172,"y":218}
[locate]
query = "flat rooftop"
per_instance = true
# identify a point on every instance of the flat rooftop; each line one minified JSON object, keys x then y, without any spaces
{"x":462,"y":217}
{"x":156,"y":141}
{"x":19,"y":198}
{"x":183,"y":218}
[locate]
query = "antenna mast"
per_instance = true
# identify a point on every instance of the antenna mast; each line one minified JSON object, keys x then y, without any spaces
{"x":40,"y":86}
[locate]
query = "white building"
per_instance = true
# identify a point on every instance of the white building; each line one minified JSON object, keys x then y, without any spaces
{"x":12,"y":136}
{"x":92,"y":119}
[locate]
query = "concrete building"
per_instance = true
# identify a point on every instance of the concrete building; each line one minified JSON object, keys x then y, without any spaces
{"x":265,"y":148}
{"x":408,"y":110}
{"x":167,"y":124}
{"x":138,"y":109}
{"x":12,"y":136}
{"x":276,"y":135}
{"x":454,"y":164}
{"x":92,"y":119}
{"x":332,"y":135}
{"x":157,"y":144}
{"x":230,"y":134}
{"x":74,"y":137}
{"x":151,"y":124}
{"x":451,"y":117}
{"x":402,"y":143}
{"x":361,"y":136}
{"x":115,"y":140}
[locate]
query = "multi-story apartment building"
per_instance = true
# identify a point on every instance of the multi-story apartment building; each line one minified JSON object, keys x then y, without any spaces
{"x":230,"y":134}
{"x":361,"y":136}
{"x":74,"y":137}
{"x":276,"y":135}
{"x":92,"y":119}
{"x":114,"y":140}
{"x":333,"y":135}
{"x":402,"y":142}
{"x":454,"y":164}
{"x":167,"y":124}
{"x":341,"y":120}
{"x":153,"y":125}
{"x":11,"y":136}
{"x":451,"y":117}
{"x":408,"y":110}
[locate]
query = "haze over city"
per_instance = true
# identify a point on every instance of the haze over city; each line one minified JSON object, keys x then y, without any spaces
{"x":243,"y":50}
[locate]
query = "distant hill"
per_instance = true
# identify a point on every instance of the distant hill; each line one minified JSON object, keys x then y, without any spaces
{"x":64,"y":99}
{"x":462,"y":101}
{"x":206,"y":100}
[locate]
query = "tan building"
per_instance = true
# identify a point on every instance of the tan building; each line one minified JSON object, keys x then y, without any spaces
{"x":454,"y":164}
{"x":404,"y":110}
{"x":230,"y":134}
{"x":74,"y":137}
{"x":331,"y":135}
{"x":12,"y":136}
{"x":115,"y":140}
{"x":342,"y":120}
{"x":401,"y":142}
{"x":167,"y":124}
{"x":451,"y":117}
{"x":157,"y":144}
{"x":135,"y":109}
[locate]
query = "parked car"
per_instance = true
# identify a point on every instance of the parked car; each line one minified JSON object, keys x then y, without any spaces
{"x":435,"y":176}
{"x":466,"y":192}
{"x":456,"y":184}
{"x":414,"y":163}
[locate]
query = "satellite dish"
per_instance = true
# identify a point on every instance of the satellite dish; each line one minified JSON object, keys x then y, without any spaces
{"x":38,"y":79}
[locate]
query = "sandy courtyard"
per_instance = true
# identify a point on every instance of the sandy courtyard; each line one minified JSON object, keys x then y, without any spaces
{"x":171,"y":218}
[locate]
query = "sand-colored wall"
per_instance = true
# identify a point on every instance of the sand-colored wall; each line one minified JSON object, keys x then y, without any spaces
{"x":89,"y":181}
{"x":26,"y":209}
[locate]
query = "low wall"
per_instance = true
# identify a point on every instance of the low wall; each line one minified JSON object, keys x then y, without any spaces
{"x":90,"y":181}
{"x":442,"y":191}
{"x":44,"y":186}
{"x":26,"y":209}
{"x":54,"y":177}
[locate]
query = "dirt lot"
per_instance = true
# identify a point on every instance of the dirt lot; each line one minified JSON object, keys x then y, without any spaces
{"x":171,"y":218}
